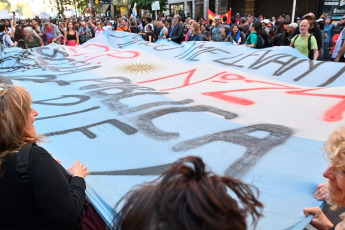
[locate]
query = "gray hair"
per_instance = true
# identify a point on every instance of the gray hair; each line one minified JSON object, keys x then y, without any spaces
{"x":32,"y":32}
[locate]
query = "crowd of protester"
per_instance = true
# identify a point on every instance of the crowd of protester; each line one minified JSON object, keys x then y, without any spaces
{"x":319,"y":39}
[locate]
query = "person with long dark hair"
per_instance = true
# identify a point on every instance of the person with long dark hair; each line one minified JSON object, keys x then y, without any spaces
{"x":225,"y":34}
{"x":19,"y":37}
{"x":71,"y":35}
{"x":187,"y":196}
{"x":237,"y":35}
{"x":281,"y":36}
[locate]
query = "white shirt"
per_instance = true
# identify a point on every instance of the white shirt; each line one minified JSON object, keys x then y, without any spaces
{"x":338,"y":45}
{"x":7,"y":40}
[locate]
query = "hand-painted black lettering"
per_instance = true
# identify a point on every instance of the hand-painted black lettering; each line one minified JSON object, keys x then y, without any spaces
{"x":256,"y":147}
{"x":145,"y":124}
{"x":82,"y":98}
{"x":127,"y":129}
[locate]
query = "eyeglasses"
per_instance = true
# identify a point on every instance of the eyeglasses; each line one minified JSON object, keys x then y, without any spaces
{"x":217,"y":19}
{"x":343,"y":18}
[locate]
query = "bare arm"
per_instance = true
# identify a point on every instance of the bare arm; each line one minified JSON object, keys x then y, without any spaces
{"x":77,"y":38}
{"x":316,"y":54}
{"x":65,"y":40}
{"x":13,"y":29}
{"x":251,"y":45}
{"x":341,"y":53}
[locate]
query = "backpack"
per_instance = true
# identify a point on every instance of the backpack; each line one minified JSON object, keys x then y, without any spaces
{"x":23,"y":162}
{"x":311,"y":52}
{"x":260,"y":43}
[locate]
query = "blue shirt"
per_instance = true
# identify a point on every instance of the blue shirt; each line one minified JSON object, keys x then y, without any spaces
{"x":328,"y":31}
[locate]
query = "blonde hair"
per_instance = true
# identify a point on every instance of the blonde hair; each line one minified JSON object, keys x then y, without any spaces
{"x":335,"y":151}
{"x":335,"y":147}
{"x":15,"y":108}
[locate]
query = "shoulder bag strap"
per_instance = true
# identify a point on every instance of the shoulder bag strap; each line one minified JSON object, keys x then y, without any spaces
{"x":23,"y":162}
{"x":293,"y":44}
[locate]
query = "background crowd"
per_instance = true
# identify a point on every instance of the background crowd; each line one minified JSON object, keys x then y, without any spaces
{"x":315,"y":38}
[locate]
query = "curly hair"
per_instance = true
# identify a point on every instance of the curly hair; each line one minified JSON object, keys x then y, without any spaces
{"x":186,"y":196}
{"x":335,"y":150}
{"x":335,"y":147}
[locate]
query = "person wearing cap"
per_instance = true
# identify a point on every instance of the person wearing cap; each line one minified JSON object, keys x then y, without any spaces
{"x":298,"y":20}
{"x":314,"y":29}
{"x":291,"y":29}
{"x":339,"y":50}
{"x":265,"y":24}
{"x":51,"y":31}
{"x":301,"y":41}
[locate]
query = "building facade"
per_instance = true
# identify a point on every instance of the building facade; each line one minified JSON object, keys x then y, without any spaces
{"x":268,"y":8}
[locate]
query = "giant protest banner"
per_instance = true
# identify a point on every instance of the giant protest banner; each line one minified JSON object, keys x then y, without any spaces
{"x":127,"y":109}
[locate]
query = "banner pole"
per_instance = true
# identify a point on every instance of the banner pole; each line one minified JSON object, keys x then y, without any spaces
{"x":293,"y":11}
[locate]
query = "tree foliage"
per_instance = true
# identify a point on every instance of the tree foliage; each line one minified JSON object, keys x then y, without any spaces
{"x":5,"y":5}
{"x":24,"y":9}
{"x":80,"y":5}
{"x":147,"y":4}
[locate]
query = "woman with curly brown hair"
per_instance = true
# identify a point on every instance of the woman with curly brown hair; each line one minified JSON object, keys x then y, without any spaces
{"x":187,"y":196}
{"x":335,"y":189}
{"x":43,"y":195}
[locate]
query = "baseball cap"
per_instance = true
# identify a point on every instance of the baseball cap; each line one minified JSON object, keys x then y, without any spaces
{"x":45,"y":21}
{"x":265,"y":21}
{"x":312,"y":15}
{"x":293,"y":25}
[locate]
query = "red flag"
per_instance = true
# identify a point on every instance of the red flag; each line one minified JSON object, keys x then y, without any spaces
{"x":228,"y":15}
{"x":211,"y":15}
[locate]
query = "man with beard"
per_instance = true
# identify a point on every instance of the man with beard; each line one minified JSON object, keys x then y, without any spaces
{"x":215,"y":34}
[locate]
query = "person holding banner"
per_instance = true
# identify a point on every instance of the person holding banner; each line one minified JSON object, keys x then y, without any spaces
{"x":215,"y":34}
{"x":5,"y":39}
{"x":225,"y":34}
{"x":176,"y":31}
{"x":51,"y":31}
{"x":252,"y":39}
{"x":36,"y":192}
{"x":305,"y":42}
{"x":187,"y":196}
{"x":32,"y":39}
{"x":335,"y":150}
{"x":237,"y":35}
{"x":71,"y":35}
{"x":195,"y":34}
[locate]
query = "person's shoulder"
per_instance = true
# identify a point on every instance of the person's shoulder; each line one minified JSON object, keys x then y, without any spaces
{"x":38,"y":150}
{"x":313,"y":38}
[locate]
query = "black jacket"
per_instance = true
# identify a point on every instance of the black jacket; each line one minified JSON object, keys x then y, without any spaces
{"x":177,"y":32}
{"x":51,"y":200}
